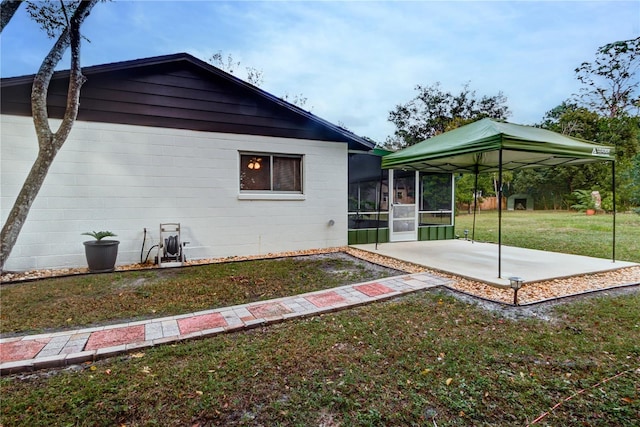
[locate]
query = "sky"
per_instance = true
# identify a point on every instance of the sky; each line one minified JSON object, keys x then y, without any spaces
{"x":355,"y":61}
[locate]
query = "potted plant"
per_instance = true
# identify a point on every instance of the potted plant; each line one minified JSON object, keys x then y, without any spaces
{"x":101,"y":254}
{"x":585,"y":202}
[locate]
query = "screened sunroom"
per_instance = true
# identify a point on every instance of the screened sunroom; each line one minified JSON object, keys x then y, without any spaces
{"x":397,"y":205}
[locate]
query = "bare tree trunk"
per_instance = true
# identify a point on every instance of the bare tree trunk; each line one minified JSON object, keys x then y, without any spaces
{"x":49,"y":142}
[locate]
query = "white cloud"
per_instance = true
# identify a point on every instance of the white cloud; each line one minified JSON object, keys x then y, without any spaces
{"x":355,"y":61}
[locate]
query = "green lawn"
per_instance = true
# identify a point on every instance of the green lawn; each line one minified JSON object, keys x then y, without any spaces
{"x":398,"y":363}
{"x":559,"y":231}
{"x":424,"y":359}
{"x":78,"y":301}
{"x":95,"y":299}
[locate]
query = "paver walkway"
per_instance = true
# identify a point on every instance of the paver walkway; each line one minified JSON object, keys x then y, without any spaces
{"x":64,"y":348}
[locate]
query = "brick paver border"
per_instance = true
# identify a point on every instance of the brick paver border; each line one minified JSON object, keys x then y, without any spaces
{"x":64,"y":348}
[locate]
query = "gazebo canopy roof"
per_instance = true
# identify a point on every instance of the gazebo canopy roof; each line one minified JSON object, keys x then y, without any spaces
{"x":475,"y":148}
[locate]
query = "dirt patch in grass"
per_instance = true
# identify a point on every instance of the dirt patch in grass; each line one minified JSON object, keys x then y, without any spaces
{"x":439,"y":356}
{"x":422,"y":359}
{"x":88,"y":300}
{"x":544,"y":310}
{"x":97,"y":299}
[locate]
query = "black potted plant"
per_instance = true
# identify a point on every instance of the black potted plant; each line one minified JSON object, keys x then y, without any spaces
{"x":101,"y":254}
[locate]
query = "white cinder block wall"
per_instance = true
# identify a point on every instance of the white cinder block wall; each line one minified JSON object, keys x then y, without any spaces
{"x":126,"y":178}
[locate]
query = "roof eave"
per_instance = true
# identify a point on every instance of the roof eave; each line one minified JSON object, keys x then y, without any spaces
{"x":354,"y":141}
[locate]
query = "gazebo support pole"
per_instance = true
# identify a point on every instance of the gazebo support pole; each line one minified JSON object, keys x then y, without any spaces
{"x":475,"y":206}
{"x":500,"y":215}
{"x":613,"y":190}
{"x":379,"y":207}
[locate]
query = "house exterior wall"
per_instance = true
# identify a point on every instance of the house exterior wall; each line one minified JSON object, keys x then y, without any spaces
{"x":124,"y":178}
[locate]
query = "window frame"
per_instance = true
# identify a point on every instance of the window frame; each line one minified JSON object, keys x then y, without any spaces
{"x":271,"y":194}
{"x":438,"y":212}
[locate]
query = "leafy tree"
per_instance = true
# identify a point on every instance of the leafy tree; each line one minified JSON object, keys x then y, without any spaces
{"x":623,"y":132}
{"x":549,"y":187}
{"x":570,"y":119}
{"x":465,"y":186}
{"x":553,"y":184}
{"x":606,"y":112}
{"x":611,"y":86}
{"x":630,"y":178}
{"x":434,"y":111}
{"x":612,"y":89}
{"x":252,"y":75}
{"x":487,"y":186}
{"x":230,"y":65}
{"x":299,"y":99}
{"x":61,"y":21}
{"x":552,"y":188}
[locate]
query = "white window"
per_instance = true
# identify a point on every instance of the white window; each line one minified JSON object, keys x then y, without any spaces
{"x":270,"y":173}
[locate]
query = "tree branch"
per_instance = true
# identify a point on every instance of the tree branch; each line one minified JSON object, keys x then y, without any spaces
{"x":42,"y":79}
{"x":8,"y":8}
{"x":76,"y":80}
{"x":48,"y":142}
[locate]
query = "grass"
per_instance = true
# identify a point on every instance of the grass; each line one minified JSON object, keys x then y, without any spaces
{"x":79,"y":301}
{"x":422,"y":358}
{"x":559,"y":231}
{"x":97,"y":299}
{"x":411,"y":361}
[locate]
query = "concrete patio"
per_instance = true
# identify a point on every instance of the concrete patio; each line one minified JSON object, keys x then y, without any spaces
{"x":479,"y":261}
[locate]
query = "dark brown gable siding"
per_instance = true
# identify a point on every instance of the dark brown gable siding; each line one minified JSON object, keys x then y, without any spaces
{"x":179,"y":95}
